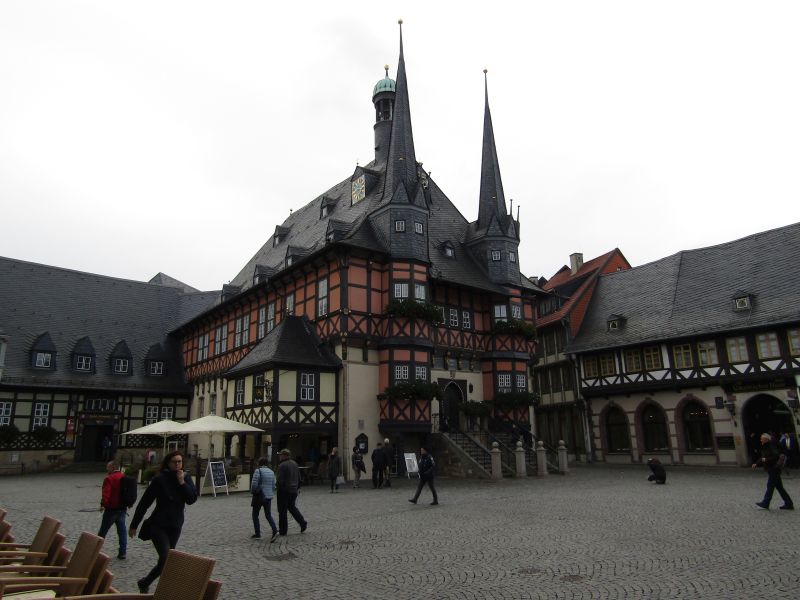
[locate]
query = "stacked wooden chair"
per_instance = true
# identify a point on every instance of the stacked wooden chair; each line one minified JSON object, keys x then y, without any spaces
{"x":185,"y":577}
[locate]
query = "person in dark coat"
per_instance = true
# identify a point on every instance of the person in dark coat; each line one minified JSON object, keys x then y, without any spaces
{"x":387,"y":450}
{"x":357,"y":462}
{"x":334,"y":468}
{"x":658,"y":474}
{"x":426,"y":465}
{"x":172,"y":489}
{"x":772,"y":462}
{"x":378,"y":466}
{"x":288,"y":488}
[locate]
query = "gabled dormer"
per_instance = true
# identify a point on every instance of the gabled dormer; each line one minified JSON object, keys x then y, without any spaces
{"x":229,"y":291}
{"x":447,"y":249}
{"x":294,"y":254}
{"x":155,"y":361}
{"x":84,"y":358}
{"x":326,"y":206}
{"x":742,"y":301}
{"x":121,"y":360}
{"x":336,"y":230}
{"x":362,"y":182}
{"x":43,"y":353}
{"x":615,"y":322}
{"x":262,"y":273}
{"x":280,"y":235}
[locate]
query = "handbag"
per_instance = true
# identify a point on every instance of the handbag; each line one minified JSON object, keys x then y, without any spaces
{"x":340,"y":480}
{"x":146,"y":530}
{"x":258,"y":498}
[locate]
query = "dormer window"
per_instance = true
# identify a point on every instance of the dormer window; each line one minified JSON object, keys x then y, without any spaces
{"x":156,"y":368}
{"x":83,"y":363}
{"x":289,"y":261}
{"x":741,"y":303}
{"x":495,"y":255}
{"x":512,"y":257}
{"x":121,"y":366}
{"x":330,"y":237}
{"x":324,"y":212}
{"x":448,"y":250}
{"x":43,"y":360}
{"x":615,"y":322}
{"x":276,"y":240}
{"x":120,"y":359}
{"x":400,"y":226}
{"x":418,"y":228}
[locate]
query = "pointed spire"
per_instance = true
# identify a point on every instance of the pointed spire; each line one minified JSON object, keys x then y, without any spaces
{"x":402,"y":161}
{"x":492,"y":201}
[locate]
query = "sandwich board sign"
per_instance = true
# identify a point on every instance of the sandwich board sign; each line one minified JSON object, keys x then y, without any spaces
{"x":411,"y":464}
{"x":215,"y":474}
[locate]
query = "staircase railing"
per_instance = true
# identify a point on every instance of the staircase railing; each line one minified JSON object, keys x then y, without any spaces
{"x":473,"y":448}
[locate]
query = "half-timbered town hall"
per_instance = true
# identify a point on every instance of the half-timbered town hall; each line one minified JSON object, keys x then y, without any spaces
{"x":377,"y":310}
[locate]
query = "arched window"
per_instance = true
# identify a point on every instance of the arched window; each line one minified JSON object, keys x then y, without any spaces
{"x":617,"y":432}
{"x":654,"y":426}
{"x":696,"y":427}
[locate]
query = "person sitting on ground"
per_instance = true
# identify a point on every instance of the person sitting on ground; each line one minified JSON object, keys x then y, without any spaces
{"x":659,"y":475}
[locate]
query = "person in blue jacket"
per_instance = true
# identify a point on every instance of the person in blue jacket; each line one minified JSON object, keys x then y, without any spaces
{"x":263,"y":486}
{"x":172,"y":489}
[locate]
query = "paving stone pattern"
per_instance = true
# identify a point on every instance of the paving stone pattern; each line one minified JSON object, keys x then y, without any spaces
{"x":600,"y":532}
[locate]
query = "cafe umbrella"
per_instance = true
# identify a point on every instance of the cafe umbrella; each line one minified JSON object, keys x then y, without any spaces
{"x":163,"y":428}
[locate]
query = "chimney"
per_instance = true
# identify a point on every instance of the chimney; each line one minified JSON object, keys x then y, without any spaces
{"x":575,"y":262}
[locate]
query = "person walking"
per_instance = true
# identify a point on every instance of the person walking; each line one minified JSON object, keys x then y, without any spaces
{"x":262,"y":488}
{"x":357,"y":462}
{"x":426,"y":465}
{"x":114,"y":510}
{"x":171,"y":489}
{"x":772,"y":462}
{"x":288,"y":487}
{"x":378,"y":466}
{"x":334,"y":468}
{"x":387,"y":450}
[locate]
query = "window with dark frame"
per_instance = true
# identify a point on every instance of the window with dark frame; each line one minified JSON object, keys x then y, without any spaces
{"x":652,"y":358}
{"x":289,"y":304}
{"x":466,"y":319}
{"x":238,"y":397}
{"x":5,"y":413}
{"x":633,"y":360}
{"x":793,"y":335}
{"x":707,"y":353}
{"x":400,"y":226}
{"x":156,"y":367}
{"x":270,"y":316}
{"x":308,"y":387}
{"x":43,"y":360}
{"x":767,"y":344}
{"x":262,"y":322}
{"x":495,"y":255}
{"x":590,"y":367}
{"x":122,"y":365}
{"x":682,"y":355}
{"x":737,"y":350}
{"x":150,"y":414}
{"x":41,"y":415}
{"x":322,"y":297}
{"x":418,"y":228}
{"x":500,"y":312}
{"x":167,"y":412}
{"x":401,"y":291}
{"x":654,"y":426}
{"x":618,"y":435}
{"x":608,"y":366}
{"x":83,"y":362}
{"x":697,"y":428}
{"x":221,"y":340}
{"x":202,"y":348}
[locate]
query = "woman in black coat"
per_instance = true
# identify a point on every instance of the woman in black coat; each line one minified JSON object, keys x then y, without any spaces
{"x":172,"y":489}
{"x":334,"y":468}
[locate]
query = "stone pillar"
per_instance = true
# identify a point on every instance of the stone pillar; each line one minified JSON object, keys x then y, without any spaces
{"x":497,"y":465}
{"x":563,"y":464}
{"x":541,"y":459}
{"x":519,"y":453}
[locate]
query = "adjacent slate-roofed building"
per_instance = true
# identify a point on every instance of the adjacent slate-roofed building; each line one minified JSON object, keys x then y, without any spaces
{"x":703,"y":355}
{"x":63,"y":332}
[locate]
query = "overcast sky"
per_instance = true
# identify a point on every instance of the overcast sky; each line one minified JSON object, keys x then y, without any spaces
{"x":138,"y":137}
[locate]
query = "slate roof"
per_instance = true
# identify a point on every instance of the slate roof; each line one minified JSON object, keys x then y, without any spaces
{"x":397,"y":179}
{"x":72,"y":305}
{"x":292,"y":342}
{"x":691,"y":293}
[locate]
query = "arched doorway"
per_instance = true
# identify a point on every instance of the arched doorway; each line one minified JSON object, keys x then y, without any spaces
{"x":449,"y":414}
{"x":765,"y":414}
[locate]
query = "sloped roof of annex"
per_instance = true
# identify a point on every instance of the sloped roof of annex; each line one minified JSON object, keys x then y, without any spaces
{"x":691,"y":293}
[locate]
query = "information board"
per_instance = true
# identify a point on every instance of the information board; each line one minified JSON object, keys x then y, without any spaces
{"x":411,"y":463}
{"x":215,"y":473}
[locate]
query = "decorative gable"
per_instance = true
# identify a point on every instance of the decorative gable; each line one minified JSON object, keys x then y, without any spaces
{"x":43,"y":352}
{"x":84,"y":356}
{"x":742,"y":300}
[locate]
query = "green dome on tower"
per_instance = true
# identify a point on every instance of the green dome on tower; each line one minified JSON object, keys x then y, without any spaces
{"x":386,"y":84}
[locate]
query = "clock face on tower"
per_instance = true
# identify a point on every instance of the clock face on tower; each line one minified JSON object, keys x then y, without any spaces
{"x":359,"y":189}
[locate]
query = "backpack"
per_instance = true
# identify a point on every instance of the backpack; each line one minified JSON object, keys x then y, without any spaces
{"x":128,"y":488}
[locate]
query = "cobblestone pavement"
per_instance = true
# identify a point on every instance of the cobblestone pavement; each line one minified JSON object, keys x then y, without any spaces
{"x":600,"y":532}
